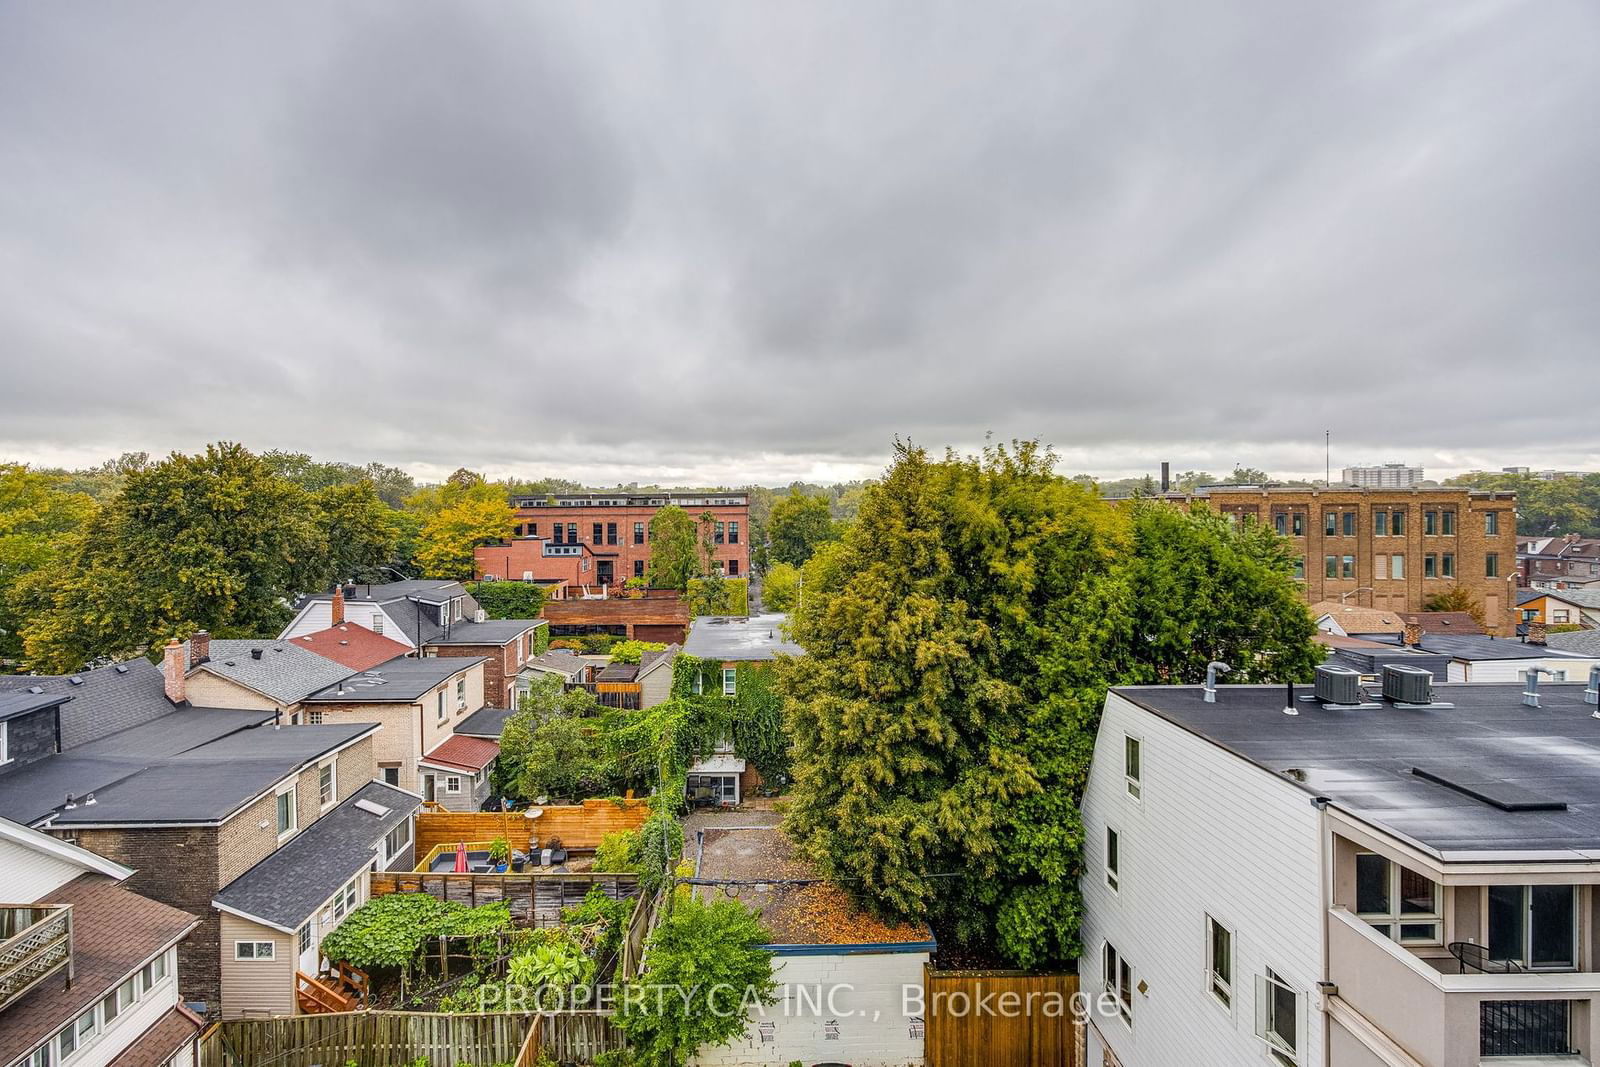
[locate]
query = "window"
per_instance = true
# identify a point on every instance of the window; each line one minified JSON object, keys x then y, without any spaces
{"x":1399,"y":903}
{"x":730,"y":681}
{"x":699,"y":684}
{"x":1447,"y":565}
{"x":1380,"y":567}
{"x":1119,"y":982}
{"x":390,"y":773}
{"x":718,"y":534}
{"x":452,"y":784}
{"x":1397,"y":566}
{"x":110,"y":1007}
{"x":67,"y":1041}
{"x":1534,"y":925}
{"x":5,"y":746}
{"x":313,"y":718}
{"x":1330,"y":523}
{"x":1491,"y":522}
{"x":350,"y":894}
{"x":560,"y":534}
{"x":598,"y":534}
{"x":286,"y":812}
{"x":1280,"y":523}
{"x":1430,"y":522}
{"x":1491,"y":564}
{"x":302,"y":938}
{"x":638,"y":533}
{"x":1397,"y":523}
{"x":461,"y":693}
{"x":572,"y":533}
{"x":439,"y":712}
{"x":1219,"y":961}
{"x":533,"y":529}
{"x":1349,"y":564}
{"x":1560,"y":615}
{"x":611,"y":533}
{"x":733,"y":533}
{"x":1132,"y":765}
{"x":1331,"y":566}
{"x":40,"y":1057}
{"x":733,"y":567}
{"x":158,"y":967}
{"x":638,"y":568}
{"x":87,"y":1026}
{"x":1300,"y":568}
{"x":1113,"y":857}
{"x":254,"y":950}
{"x":326,"y":791}
{"x":377,"y":622}
{"x":1447,"y":522}
{"x":1349,"y":524}
{"x":397,"y":841}
{"x":1430,"y":566}
{"x":1380,"y":524}
{"x":1278,"y":1018}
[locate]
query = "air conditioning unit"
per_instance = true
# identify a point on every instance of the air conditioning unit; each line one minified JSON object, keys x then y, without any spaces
{"x":1405,"y":684}
{"x":1338,"y":685}
{"x":480,"y":616}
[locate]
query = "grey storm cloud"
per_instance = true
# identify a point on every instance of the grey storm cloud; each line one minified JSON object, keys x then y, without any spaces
{"x":733,"y":241}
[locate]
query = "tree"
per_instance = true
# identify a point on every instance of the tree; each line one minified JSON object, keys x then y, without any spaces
{"x":674,"y":549}
{"x":780,"y":589}
{"x":37,"y":518}
{"x":1458,"y":598}
{"x":1248,"y":476}
{"x":215,"y":541}
{"x":633,"y":651}
{"x":551,"y":746}
{"x":509,"y":600}
{"x":798,"y":525}
{"x":960,"y":640}
{"x":704,"y":966}
{"x":360,"y":530}
{"x":470,"y":515}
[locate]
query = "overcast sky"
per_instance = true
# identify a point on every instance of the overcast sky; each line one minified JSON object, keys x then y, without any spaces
{"x":753,"y":241}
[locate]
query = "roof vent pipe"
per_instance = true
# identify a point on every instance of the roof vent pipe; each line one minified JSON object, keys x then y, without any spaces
{"x":1214,"y":668}
{"x":1288,"y":699}
{"x":1530,"y":695}
{"x":1591,"y":695}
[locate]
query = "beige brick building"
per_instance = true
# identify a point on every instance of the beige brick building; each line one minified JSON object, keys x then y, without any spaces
{"x":1392,"y":548}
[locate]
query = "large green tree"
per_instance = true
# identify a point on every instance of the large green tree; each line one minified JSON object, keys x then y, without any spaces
{"x":469,"y":514}
{"x":38,"y":517}
{"x":675,"y":553}
{"x":960,"y":639}
{"x":215,"y":541}
{"x":798,"y":524}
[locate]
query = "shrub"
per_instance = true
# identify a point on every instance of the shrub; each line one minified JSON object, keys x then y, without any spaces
{"x":387,"y":931}
{"x":632,"y":651}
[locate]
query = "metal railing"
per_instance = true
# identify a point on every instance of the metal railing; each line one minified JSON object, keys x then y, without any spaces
{"x":1525,"y":1028}
{"x":39,"y":945}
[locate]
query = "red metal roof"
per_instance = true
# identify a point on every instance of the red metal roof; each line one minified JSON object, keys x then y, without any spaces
{"x":464,"y":753}
{"x":352,"y":646}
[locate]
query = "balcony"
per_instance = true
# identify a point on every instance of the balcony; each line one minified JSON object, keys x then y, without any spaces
{"x":37,"y":942}
{"x":1442,"y":1018}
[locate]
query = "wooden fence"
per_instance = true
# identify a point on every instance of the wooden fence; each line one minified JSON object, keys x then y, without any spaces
{"x":534,"y":899}
{"x":575,"y":825}
{"x":366,"y":1038}
{"x":574,"y":1036}
{"x":1040,"y":1032}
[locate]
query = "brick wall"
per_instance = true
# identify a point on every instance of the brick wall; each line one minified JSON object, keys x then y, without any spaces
{"x":499,"y":669}
{"x":30,"y":737}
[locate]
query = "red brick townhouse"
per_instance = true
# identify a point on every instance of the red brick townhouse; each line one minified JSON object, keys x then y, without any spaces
{"x":601,"y":539}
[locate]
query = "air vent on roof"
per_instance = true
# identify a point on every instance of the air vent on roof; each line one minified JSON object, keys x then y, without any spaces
{"x":255,"y":653}
{"x":1338,"y":685}
{"x":1405,"y":684}
{"x":1502,"y":795}
{"x":373,"y":808}
{"x":35,"y":689}
{"x":75,"y":680}
{"x":122,"y":668}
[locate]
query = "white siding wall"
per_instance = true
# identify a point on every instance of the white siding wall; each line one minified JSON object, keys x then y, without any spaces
{"x":27,"y":875}
{"x":1509,"y":671}
{"x":873,"y":1028}
{"x":1211,"y":835}
{"x":129,"y":1025}
{"x":318,"y":615}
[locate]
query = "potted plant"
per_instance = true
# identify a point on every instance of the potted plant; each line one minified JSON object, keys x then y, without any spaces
{"x":499,"y":852}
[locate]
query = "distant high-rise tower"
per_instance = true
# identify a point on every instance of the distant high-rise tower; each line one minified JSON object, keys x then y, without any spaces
{"x":1387,"y":476}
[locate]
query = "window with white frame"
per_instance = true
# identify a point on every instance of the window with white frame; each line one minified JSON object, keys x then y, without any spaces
{"x":39,"y":1057}
{"x":1397,"y":902}
{"x":1113,"y":858}
{"x":1219,"y":962}
{"x":452,"y":784}
{"x":5,"y":742}
{"x":302,"y":938}
{"x":461,"y":694}
{"x":350,"y":895}
{"x":698,"y":685}
{"x":1132,"y":764}
{"x":377,"y":622}
{"x":1278,"y":1018}
{"x":1119,"y":981}
{"x":286,"y":812}
{"x":396,"y":841}
{"x":327,"y":787}
{"x":439,"y":715}
{"x":730,"y":681}
{"x":313,"y":718}
{"x":254,"y":950}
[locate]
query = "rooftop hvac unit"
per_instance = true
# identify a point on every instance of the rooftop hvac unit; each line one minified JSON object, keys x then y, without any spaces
{"x":1405,"y":684}
{"x":1338,"y":685}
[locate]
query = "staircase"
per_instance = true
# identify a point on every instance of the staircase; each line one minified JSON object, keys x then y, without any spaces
{"x":337,"y":987}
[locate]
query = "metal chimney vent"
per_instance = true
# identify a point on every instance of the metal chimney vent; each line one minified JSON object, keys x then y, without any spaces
{"x":1405,"y":684}
{"x":1338,"y":685}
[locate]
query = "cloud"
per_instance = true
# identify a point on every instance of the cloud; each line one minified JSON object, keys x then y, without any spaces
{"x":740,"y":242}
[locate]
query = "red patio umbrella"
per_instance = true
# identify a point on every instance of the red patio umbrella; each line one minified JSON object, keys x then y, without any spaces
{"x":461,"y":857}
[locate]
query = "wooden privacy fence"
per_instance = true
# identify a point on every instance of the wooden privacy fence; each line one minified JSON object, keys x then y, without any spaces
{"x":367,"y":1038}
{"x":1036,"y":1030}
{"x":575,"y":825}
{"x":534,"y":899}
{"x":573,"y":1037}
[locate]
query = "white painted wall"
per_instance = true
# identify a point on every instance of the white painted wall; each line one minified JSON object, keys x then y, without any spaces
{"x":318,"y":615}
{"x":873,"y":1028}
{"x":27,"y":875}
{"x":1211,"y":834}
{"x":1510,"y":671}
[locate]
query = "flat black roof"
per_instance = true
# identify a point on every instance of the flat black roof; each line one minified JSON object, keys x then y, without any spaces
{"x":1522,"y":781}
{"x":399,"y":681}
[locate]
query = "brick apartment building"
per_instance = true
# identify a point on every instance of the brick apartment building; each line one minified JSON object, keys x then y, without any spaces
{"x":1391,"y":548}
{"x":601,"y":540}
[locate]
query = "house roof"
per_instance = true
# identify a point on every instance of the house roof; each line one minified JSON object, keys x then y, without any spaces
{"x":286,"y":888}
{"x":427,"y":590}
{"x":114,"y":932}
{"x":491,"y":632}
{"x":618,"y":672}
{"x":281,"y":670}
{"x":1580,"y":642}
{"x":1479,"y":647}
{"x":352,"y":646}
{"x":1584,"y":598}
{"x":1443,"y":622}
{"x":164,"y":1037}
{"x":462,"y":753}
{"x":34,"y":841}
{"x":559,"y":661}
{"x":485,"y":722}
{"x":399,"y":681}
{"x":730,"y":638}
{"x":1355,"y":619}
{"x":104,"y":700}
{"x":649,"y":661}
{"x":813,"y":914}
{"x":1488,"y":742}
{"x":25,"y":703}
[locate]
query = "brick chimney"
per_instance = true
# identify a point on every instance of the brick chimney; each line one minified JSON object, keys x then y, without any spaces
{"x":174,"y":667}
{"x":1536,"y":632}
{"x":1411,"y":634}
{"x":199,"y":648}
{"x":337,"y":608}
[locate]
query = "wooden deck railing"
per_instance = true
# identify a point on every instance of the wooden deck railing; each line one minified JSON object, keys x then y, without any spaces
{"x":40,"y":945}
{"x":534,"y":899}
{"x":316,"y":997}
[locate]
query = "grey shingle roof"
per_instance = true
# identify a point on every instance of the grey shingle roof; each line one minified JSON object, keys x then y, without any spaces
{"x":104,"y":701}
{"x":560,"y":660}
{"x":13,"y":704}
{"x":398,"y":681}
{"x":1582,"y":642}
{"x":281,"y":669}
{"x":648,"y":661}
{"x":759,"y":637}
{"x":485,"y":722}
{"x":287,"y":887}
{"x":492,"y":632}
{"x":1472,"y":647}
